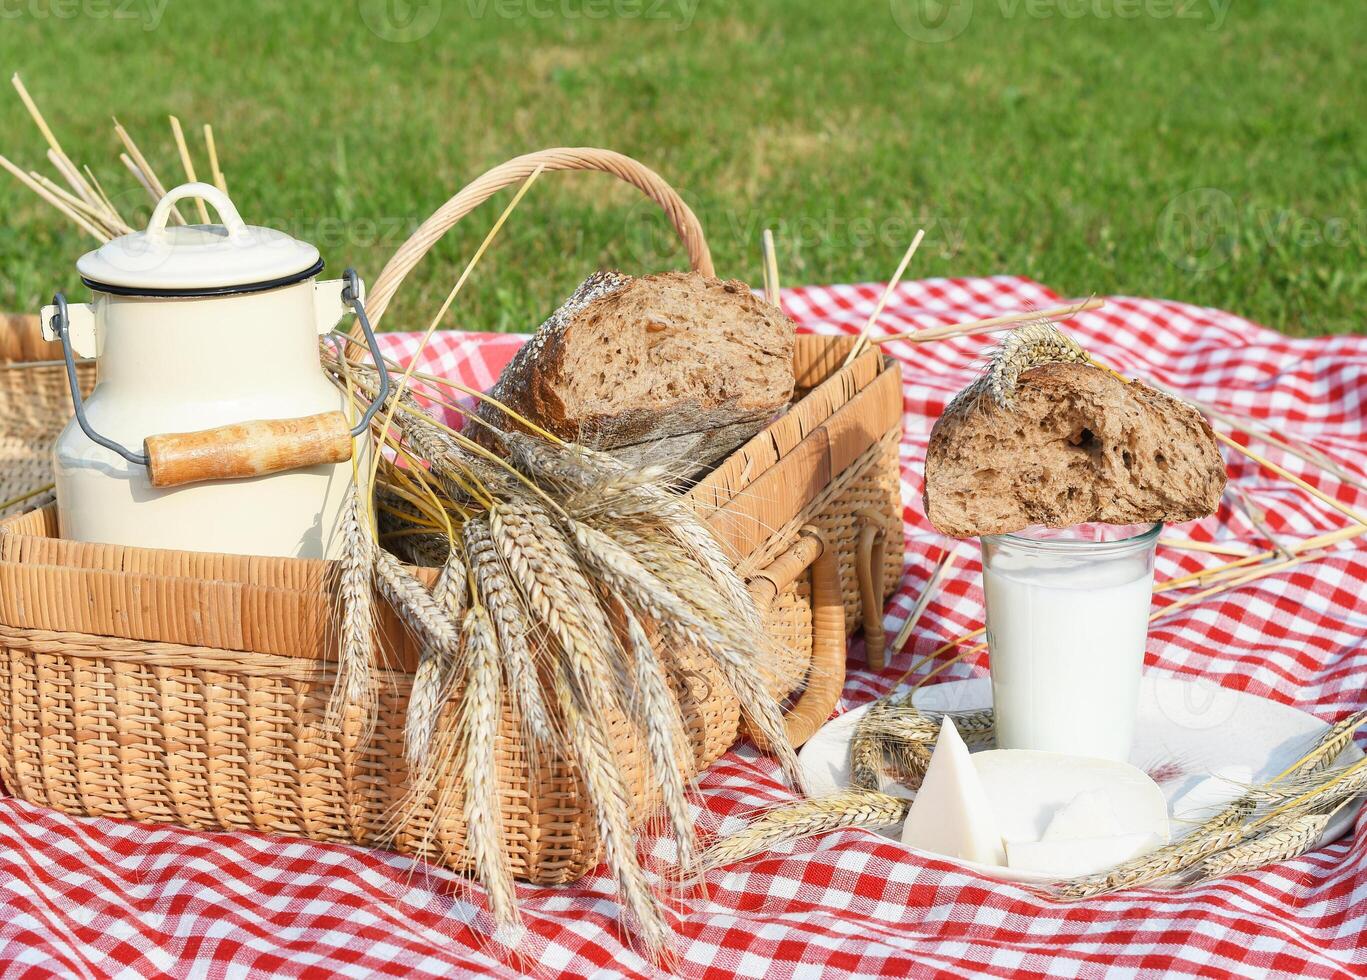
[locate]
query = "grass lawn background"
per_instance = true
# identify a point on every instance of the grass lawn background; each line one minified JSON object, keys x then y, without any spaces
{"x":1204,"y":150}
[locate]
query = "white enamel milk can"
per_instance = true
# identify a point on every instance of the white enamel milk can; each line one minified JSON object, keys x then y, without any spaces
{"x":212,"y":426}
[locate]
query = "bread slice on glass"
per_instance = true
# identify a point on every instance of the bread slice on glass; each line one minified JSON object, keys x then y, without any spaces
{"x":1075,"y":444}
{"x":661,"y":368}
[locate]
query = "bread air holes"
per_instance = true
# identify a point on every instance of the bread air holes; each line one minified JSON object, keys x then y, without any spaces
{"x":1085,"y":439}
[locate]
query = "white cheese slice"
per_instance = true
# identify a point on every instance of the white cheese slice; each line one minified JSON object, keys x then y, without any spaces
{"x":1026,"y":788}
{"x":951,"y":814}
{"x":1088,"y":814}
{"x":1211,"y":795}
{"x":1078,"y":856}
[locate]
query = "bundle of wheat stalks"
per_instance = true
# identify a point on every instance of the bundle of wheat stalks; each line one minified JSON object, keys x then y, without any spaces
{"x":1271,"y":821}
{"x":568,"y":582}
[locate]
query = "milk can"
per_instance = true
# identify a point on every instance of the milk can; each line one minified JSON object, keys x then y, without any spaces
{"x":212,"y":426}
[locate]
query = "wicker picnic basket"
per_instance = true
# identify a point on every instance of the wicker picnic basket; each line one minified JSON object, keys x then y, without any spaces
{"x":190,"y":688}
{"x":35,"y":402}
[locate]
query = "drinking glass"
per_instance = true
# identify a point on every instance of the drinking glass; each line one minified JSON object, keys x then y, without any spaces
{"x":1067,"y":621}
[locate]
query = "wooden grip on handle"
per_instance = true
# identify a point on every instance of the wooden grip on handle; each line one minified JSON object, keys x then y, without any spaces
{"x":235,"y":452}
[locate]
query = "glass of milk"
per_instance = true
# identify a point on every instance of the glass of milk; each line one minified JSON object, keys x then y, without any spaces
{"x":1067,"y":620}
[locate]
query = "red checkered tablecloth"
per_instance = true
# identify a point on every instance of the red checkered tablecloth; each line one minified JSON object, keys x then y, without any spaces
{"x":95,"y":898}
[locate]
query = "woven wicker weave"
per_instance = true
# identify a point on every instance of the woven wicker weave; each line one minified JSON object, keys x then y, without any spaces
{"x":34,"y":406}
{"x":190,"y":688}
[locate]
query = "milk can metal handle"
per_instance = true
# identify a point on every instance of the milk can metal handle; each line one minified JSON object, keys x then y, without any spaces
{"x":351,"y":294}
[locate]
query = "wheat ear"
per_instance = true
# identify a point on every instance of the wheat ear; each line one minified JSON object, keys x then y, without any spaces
{"x":679,"y":521}
{"x":1284,"y":840}
{"x":604,"y":485}
{"x":451,"y":590}
{"x":907,"y":761}
{"x":1165,"y":861}
{"x":545,"y":569}
{"x":794,"y":821}
{"x":1322,"y":788}
{"x":355,"y":683}
{"x":903,"y":721}
{"x":653,"y":530}
{"x":894,"y":736}
{"x":439,"y":640}
{"x":1329,"y":746}
{"x":586,"y":678}
{"x":438,"y":666}
{"x":588,"y":476}
{"x":682,"y":523}
{"x":513,"y":628}
{"x":729,"y":645}
{"x":866,"y":747}
{"x":646,"y":591}
{"x":587,"y":733}
{"x":1026,"y":347}
{"x":656,"y":714}
{"x":699,"y":542}
{"x":663,"y":556}
{"x":477,"y":728}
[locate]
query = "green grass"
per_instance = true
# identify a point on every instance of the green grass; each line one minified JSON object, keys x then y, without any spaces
{"x":1216,"y":157}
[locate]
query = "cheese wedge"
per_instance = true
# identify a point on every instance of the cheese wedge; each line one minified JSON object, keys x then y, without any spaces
{"x":951,"y":815}
{"x":1089,"y":814}
{"x":1027,"y":788}
{"x":1078,"y":856}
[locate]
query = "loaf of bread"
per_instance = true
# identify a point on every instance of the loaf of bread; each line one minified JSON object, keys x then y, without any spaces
{"x":661,"y":368}
{"x":1075,"y":445}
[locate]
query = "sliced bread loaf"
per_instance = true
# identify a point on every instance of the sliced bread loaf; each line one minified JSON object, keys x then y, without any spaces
{"x":660,"y":368}
{"x":1075,"y":445}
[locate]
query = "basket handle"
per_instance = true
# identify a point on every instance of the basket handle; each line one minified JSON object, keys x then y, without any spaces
{"x":869,"y":570}
{"x":826,"y":675}
{"x":479,"y":190}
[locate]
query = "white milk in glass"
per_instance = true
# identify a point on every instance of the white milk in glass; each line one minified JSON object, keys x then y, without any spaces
{"x":1067,"y":621}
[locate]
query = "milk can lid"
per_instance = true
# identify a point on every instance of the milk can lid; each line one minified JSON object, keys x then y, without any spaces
{"x":198,"y":260}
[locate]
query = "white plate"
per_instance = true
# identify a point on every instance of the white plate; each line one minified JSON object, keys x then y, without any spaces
{"x":1186,"y":729}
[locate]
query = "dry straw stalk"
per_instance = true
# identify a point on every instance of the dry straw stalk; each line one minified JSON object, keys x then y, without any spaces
{"x":794,"y":821}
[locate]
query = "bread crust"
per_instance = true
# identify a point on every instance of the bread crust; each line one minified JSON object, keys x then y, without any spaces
{"x":1077,"y":445}
{"x":676,"y":363}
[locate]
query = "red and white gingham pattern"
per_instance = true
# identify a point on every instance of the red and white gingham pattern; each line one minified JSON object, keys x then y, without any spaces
{"x":99,"y":897}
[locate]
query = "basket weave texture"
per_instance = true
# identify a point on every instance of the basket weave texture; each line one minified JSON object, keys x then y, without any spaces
{"x":190,"y":688}
{"x":35,"y":404}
